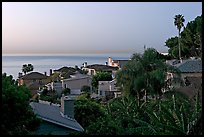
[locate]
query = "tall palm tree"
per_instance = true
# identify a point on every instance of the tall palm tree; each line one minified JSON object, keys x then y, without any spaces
{"x":30,"y":67}
{"x":24,"y":68}
{"x":178,"y":22}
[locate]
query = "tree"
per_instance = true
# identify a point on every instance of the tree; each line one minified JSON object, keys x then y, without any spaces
{"x":27,"y":68}
{"x":66,"y":91}
{"x":178,"y":22}
{"x":100,"y":76}
{"x":87,"y":111}
{"x":86,"y":89}
{"x":150,"y":81}
{"x":190,"y":40}
{"x":17,"y":116}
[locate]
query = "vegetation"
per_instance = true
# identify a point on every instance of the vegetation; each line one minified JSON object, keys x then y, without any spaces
{"x":86,"y":89}
{"x":190,"y":40}
{"x":148,"y":83}
{"x":66,"y":91}
{"x":17,"y":116}
{"x":49,"y":95}
{"x":173,"y":115}
{"x":143,"y":109}
{"x":87,"y":110}
{"x":27,"y":68}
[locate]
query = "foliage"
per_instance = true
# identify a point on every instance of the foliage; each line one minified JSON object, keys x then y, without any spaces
{"x":27,"y":68}
{"x":174,"y":114}
{"x":150,"y":81}
{"x":138,"y":112}
{"x":100,"y":76}
{"x":87,"y":110}
{"x":190,"y":40}
{"x":17,"y":116}
{"x":66,"y":91}
{"x":103,"y":126}
{"x":44,"y":92}
{"x":49,"y":95}
{"x":86,"y":88}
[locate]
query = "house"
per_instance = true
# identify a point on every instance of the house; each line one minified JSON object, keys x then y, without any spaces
{"x":57,"y":86}
{"x":65,"y":72}
{"x":56,"y":120}
{"x":33,"y":81}
{"x":76,"y":82}
{"x":191,"y":74}
{"x":107,"y":88}
{"x":116,"y":63}
{"x":93,"y":69}
{"x":188,"y":68}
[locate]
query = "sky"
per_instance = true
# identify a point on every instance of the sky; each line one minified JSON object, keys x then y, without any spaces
{"x":91,"y":27}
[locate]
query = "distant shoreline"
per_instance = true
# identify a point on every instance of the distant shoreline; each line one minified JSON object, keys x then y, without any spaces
{"x":72,"y":54}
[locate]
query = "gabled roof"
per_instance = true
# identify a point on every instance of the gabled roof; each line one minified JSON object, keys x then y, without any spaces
{"x":100,"y":67}
{"x":64,"y":69}
{"x":34,"y":75}
{"x":190,"y":66}
{"x":52,"y":114}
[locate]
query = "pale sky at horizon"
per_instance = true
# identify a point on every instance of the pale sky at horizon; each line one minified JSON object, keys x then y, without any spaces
{"x":91,"y":27}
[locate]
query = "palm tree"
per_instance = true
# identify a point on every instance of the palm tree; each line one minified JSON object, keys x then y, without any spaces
{"x":27,"y":68}
{"x":178,"y":22}
{"x":30,"y":67}
{"x":24,"y":68}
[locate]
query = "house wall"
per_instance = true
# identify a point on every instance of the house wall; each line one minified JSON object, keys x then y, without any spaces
{"x":191,"y":75}
{"x":112,"y":63}
{"x":90,"y":71}
{"x":28,"y":81}
{"x":76,"y":84}
{"x":57,"y":86}
{"x":106,"y":88}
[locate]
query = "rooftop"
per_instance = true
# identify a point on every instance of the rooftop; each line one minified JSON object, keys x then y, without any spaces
{"x":187,"y":66}
{"x":99,"y":67}
{"x":34,"y":75}
{"x":52,"y":114}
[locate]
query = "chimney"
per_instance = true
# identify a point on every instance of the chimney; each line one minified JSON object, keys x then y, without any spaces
{"x":110,"y":60}
{"x":67,"y":106}
{"x":85,"y":64}
{"x":45,"y":73}
{"x":50,"y":72}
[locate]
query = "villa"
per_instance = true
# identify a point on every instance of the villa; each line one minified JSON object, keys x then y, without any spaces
{"x":33,"y":81}
{"x":93,"y":69}
{"x":108,"y":88}
{"x":116,"y":63}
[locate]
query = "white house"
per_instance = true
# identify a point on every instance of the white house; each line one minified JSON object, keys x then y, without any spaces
{"x":116,"y":63}
{"x":75,"y":83}
{"x":57,"y":86}
{"x":107,"y":88}
{"x":93,"y":69}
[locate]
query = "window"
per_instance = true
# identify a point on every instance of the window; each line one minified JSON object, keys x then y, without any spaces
{"x":65,"y":85}
{"x":92,"y":72}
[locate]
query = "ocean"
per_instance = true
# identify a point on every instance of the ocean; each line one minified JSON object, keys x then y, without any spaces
{"x":12,"y":64}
